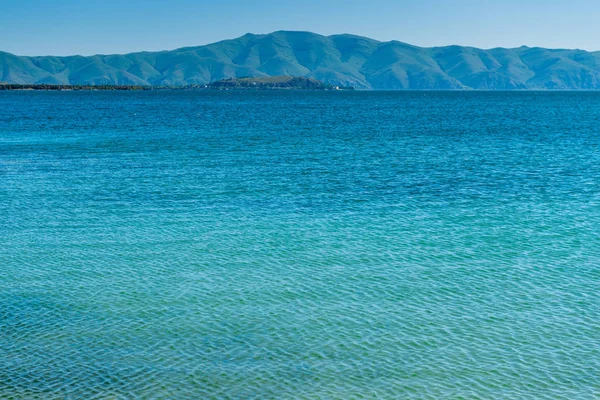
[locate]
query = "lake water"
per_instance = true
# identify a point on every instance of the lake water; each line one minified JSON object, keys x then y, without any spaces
{"x":299,"y":245}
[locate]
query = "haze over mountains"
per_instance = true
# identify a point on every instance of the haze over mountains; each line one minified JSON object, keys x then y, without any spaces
{"x":345,"y":60}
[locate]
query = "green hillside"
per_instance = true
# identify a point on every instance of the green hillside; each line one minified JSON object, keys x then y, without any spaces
{"x":343,"y":60}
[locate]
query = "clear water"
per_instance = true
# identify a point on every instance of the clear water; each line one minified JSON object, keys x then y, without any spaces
{"x":299,"y":245}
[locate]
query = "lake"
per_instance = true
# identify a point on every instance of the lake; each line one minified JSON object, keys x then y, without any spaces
{"x":301,"y":245}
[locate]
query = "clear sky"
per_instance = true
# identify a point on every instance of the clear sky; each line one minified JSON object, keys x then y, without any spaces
{"x":63,"y":27}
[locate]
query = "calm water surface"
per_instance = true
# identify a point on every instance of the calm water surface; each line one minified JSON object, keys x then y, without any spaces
{"x":299,"y":245}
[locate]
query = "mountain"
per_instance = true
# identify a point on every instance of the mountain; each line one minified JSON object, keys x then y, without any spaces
{"x":344,"y":60}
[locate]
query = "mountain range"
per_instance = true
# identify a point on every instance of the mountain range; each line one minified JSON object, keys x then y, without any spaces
{"x":345,"y":60}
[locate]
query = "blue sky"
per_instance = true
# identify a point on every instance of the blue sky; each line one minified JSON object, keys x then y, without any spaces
{"x":63,"y":27}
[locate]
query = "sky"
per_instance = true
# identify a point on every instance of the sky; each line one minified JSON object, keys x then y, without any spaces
{"x":86,"y":27}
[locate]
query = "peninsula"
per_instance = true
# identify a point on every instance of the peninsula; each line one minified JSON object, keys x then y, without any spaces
{"x":275,"y":82}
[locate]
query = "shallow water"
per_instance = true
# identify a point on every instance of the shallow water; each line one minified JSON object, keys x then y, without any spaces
{"x":299,"y":245}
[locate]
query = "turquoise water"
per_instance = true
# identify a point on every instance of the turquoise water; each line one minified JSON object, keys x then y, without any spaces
{"x":299,"y":245}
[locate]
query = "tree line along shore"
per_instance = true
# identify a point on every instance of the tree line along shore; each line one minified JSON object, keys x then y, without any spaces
{"x":259,"y":83}
{"x":71,"y":87}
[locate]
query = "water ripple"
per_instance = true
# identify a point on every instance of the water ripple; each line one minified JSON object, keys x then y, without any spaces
{"x":299,"y":245}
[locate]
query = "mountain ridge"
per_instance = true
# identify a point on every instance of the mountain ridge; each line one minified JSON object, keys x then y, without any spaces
{"x":342,"y":59}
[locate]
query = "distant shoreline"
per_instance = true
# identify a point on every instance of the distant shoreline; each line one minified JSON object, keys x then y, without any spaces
{"x":251,"y":83}
{"x":79,"y":88}
{"x":210,"y":87}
